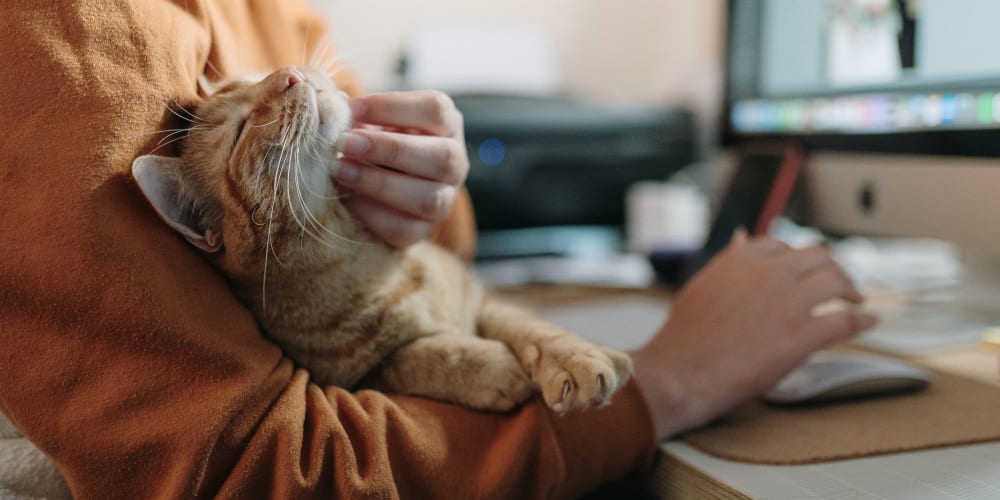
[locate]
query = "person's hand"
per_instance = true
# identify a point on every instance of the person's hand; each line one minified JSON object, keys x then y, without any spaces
{"x":741,"y":324}
{"x":403,"y":163}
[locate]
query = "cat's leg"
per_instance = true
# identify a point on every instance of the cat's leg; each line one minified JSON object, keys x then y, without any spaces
{"x":571,"y":372}
{"x":462,"y":369}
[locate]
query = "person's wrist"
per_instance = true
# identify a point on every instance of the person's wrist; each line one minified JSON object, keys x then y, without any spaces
{"x":671,"y":401}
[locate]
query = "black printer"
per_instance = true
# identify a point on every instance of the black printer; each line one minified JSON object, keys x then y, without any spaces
{"x":557,"y":162}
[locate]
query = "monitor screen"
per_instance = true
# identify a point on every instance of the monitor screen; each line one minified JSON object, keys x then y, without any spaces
{"x":895,"y":103}
{"x":864,"y":67}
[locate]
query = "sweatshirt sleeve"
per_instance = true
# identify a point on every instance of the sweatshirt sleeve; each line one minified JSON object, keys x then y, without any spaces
{"x":124,"y":355}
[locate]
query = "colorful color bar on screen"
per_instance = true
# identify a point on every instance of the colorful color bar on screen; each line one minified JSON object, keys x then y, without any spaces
{"x":873,"y":113}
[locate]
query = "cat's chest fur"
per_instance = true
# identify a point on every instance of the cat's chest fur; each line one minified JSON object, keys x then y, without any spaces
{"x":343,"y":319}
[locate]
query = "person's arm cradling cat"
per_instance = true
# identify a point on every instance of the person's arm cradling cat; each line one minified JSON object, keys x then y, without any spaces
{"x":404,"y":163}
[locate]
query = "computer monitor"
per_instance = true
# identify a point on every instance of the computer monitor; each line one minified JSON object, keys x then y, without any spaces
{"x":895,"y":102}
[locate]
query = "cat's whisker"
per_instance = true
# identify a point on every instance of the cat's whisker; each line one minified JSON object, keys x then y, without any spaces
{"x":264,"y":165}
{"x":306,"y":213}
{"x":296,"y":166}
{"x":316,"y":228}
{"x":271,"y":152}
{"x":319,"y":141}
{"x":311,"y":218}
{"x":185,"y":110}
{"x":183,"y":129}
{"x":324,"y":52}
{"x":268,"y":248}
{"x":182,"y":117}
{"x":329,"y":67}
{"x":165,"y":144}
{"x":275,"y":196}
{"x":185,"y":132}
{"x":331,"y":70}
{"x":266,"y":124}
{"x":288,"y":190}
{"x":313,"y":151}
{"x":305,"y":45}
{"x":319,"y":53}
{"x":340,"y":57}
{"x":283,"y":143}
{"x":269,"y":155}
{"x":321,"y":233}
{"x":274,"y":201}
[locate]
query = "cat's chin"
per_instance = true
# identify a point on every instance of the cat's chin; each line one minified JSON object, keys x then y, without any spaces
{"x":331,"y":128}
{"x":329,"y":131}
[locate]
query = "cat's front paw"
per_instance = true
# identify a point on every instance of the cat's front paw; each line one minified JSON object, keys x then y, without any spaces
{"x":574,"y":374}
{"x":498,"y":386}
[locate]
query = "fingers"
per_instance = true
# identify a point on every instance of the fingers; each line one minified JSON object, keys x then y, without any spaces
{"x":827,"y":284}
{"x":803,"y":261}
{"x":838,"y":326}
{"x":820,"y":280}
{"x":435,"y":158}
{"x":430,"y":111}
{"x":394,"y":228}
{"x":740,"y":238}
{"x":418,"y":137}
{"x":814,"y":266}
{"x":817,"y":276}
{"x":416,"y":198}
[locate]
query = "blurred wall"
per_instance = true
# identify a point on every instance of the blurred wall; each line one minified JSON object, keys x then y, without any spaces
{"x":635,"y":50}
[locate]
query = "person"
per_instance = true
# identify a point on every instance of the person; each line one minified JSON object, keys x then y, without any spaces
{"x":129,"y":362}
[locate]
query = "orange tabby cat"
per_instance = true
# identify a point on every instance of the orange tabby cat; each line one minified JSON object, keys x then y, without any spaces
{"x":253,"y":189}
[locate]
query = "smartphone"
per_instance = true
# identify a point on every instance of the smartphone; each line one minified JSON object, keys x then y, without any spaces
{"x":757,"y":192}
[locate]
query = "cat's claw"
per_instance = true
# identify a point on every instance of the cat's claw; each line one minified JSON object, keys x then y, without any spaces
{"x":575,"y":375}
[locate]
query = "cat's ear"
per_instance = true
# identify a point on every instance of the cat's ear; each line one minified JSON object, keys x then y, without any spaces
{"x":159,"y":178}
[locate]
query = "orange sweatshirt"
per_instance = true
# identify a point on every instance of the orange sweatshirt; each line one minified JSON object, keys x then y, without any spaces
{"x":125,"y":357}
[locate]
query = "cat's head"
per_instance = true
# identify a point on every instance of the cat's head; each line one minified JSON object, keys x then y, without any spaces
{"x":254,"y":173}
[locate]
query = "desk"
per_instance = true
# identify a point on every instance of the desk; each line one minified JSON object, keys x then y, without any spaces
{"x":965,"y":472}
{"x":971,"y":471}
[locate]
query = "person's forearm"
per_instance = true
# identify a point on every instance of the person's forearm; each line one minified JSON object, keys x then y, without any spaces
{"x":370,"y":444}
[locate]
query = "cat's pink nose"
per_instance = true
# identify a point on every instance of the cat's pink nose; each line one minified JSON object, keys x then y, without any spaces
{"x":287,"y":76}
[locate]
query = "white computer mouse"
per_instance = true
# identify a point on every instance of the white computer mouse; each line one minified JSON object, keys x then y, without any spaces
{"x":838,"y":375}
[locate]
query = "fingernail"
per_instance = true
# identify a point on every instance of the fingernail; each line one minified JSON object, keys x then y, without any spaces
{"x":348,"y":173}
{"x":353,"y":144}
{"x":739,"y":236}
{"x":358,"y":107}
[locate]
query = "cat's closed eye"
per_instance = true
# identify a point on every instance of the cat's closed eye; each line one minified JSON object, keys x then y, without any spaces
{"x":239,"y":133}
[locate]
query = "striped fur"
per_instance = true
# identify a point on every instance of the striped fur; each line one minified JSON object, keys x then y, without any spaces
{"x":256,"y":168}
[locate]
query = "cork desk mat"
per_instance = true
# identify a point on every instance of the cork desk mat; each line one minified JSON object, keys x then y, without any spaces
{"x":951,"y":411}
